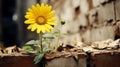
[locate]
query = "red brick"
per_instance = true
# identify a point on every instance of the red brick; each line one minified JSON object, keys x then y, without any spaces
{"x":105,"y":59}
{"x":17,"y":61}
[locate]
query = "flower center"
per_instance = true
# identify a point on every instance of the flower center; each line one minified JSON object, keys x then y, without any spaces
{"x":41,"y":20}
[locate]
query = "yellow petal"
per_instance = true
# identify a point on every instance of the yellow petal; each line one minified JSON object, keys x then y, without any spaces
{"x":34,"y":27}
{"x":30,"y":21}
{"x":49,"y":27}
{"x":30,"y":10}
{"x":38,"y":7}
{"x":48,"y":30}
{"x":49,"y":8}
{"x":35,"y":10}
{"x":30,"y":26}
{"x":29,"y":15}
{"x":51,"y":14}
{"x":42,"y":5}
{"x":39,"y":28}
{"x":52,"y":19}
{"x":43,"y":28}
{"x":52,"y":23}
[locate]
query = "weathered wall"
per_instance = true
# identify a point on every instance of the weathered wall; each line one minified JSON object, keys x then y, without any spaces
{"x":0,"y":19}
{"x":88,"y":20}
{"x":104,"y":14}
{"x":74,"y":12}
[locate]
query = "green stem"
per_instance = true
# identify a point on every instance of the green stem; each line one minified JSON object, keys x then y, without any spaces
{"x":40,"y":39}
{"x":59,"y":35}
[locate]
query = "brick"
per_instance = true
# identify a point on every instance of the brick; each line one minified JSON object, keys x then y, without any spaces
{"x":68,"y":61}
{"x":105,"y":12}
{"x":17,"y":61}
{"x":105,"y":58}
{"x":99,"y":2}
{"x":98,"y":34}
{"x":62,"y":62}
{"x":117,"y":6}
{"x":102,"y":13}
{"x":102,"y":33}
{"x":96,"y":3}
{"x":93,"y":16}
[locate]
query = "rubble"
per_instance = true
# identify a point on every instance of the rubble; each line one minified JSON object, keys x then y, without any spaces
{"x":12,"y":51}
{"x":106,"y":44}
{"x":69,"y":50}
{"x":99,"y":46}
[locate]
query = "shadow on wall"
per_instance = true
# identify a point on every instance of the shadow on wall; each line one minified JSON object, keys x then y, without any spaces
{"x":9,"y":26}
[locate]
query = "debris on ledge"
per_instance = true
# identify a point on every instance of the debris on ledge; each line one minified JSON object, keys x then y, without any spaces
{"x":68,"y":50}
{"x":106,"y":44}
{"x":12,"y":51}
{"x":98,"y":47}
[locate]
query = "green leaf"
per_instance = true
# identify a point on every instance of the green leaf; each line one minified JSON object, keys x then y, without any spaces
{"x":38,"y":58}
{"x":46,"y":50}
{"x":31,"y":42}
{"x":49,"y":36}
{"x":29,"y":49}
{"x":65,"y":34}
{"x":26,"y":47}
{"x":57,"y":32}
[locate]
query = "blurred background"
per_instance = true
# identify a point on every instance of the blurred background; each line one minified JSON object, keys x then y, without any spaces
{"x":86,"y":20}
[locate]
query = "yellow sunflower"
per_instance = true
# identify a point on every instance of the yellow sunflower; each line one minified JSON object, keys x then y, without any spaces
{"x":40,"y":18}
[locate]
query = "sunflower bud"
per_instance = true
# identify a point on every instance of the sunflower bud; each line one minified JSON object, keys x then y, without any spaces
{"x":62,"y":22}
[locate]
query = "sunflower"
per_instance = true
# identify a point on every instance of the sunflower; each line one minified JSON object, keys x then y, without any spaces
{"x":40,"y":18}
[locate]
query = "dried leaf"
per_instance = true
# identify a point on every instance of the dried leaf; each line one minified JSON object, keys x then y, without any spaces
{"x":12,"y":49}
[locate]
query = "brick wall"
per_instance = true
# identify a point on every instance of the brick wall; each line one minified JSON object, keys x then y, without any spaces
{"x":88,"y":20}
